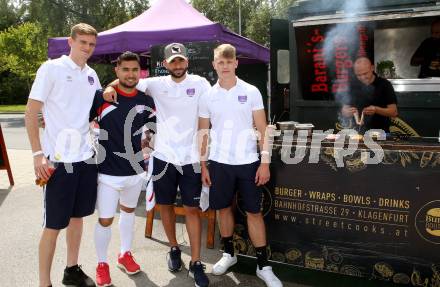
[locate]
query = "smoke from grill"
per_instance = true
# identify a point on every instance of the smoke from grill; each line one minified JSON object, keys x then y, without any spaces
{"x":343,"y":44}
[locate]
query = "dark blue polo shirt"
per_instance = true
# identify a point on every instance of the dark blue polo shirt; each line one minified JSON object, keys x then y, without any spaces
{"x":123,"y":123}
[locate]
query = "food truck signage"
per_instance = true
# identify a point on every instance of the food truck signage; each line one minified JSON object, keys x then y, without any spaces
{"x":326,"y":58}
{"x":378,"y":221}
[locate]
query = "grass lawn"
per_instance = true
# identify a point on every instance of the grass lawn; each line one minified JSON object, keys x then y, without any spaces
{"x":12,"y":108}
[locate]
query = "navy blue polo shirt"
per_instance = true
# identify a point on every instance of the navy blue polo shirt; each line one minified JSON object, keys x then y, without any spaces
{"x":123,"y":123}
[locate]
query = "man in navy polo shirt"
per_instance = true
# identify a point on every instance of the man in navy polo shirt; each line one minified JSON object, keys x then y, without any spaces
{"x":63,"y":90}
{"x":176,"y":159}
{"x":232,"y":107}
{"x":122,"y":170}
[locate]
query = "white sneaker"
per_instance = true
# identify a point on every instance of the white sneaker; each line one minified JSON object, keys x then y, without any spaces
{"x":266,"y":274}
{"x":223,"y":264}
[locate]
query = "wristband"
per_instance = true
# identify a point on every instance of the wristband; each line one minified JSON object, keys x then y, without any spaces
{"x":264,"y":152}
{"x":37,"y":153}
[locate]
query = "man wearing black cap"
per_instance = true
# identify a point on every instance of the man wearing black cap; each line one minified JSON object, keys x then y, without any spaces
{"x":176,"y":159}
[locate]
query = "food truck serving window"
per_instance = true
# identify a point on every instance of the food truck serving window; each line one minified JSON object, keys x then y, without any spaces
{"x":327,"y":48}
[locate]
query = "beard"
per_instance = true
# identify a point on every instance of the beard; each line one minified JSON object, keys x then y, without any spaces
{"x":177,"y":76}
{"x":128,"y":86}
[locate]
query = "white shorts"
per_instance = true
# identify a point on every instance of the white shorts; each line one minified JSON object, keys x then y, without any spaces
{"x":114,"y":189}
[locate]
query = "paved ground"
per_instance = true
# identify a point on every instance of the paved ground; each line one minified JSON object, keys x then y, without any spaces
{"x":21,"y":218}
{"x":14,"y":131}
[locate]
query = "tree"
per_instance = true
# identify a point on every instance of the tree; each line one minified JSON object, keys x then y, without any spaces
{"x":226,"y":12}
{"x":137,"y":7}
{"x":49,"y":14}
{"x":281,"y":8}
{"x":9,"y":14}
{"x":57,"y":16}
{"x":25,"y":26}
{"x":255,"y":15}
{"x":22,"y":51}
{"x":257,"y":27}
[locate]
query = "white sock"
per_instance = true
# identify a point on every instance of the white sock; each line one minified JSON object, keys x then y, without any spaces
{"x":126,"y":226}
{"x":102,"y":240}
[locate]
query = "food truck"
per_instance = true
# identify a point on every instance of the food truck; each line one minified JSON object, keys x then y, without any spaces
{"x":366,"y":207}
{"x":312,"y":55}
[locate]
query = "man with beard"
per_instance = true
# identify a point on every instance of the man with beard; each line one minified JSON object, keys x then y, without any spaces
{"x":176,"y":159}
{"x":121,"y":172}
{"x":373,"y":99}
{"x":427,"y":55}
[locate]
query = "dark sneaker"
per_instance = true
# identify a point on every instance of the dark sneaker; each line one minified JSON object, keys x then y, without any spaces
{"x":174,"y":261}
{"x":74,"y":276}
{"x":197,"y":271}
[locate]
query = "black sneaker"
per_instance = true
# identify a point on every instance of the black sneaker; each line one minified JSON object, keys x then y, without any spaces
{"x":74,"y":276}
{"x":197,"y":271}
{"x":174,"y":261}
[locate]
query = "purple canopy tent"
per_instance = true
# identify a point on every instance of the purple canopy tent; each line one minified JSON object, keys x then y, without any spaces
{"x":165,"y":22}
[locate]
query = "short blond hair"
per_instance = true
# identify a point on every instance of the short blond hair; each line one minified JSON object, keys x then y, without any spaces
{"x":226,"y":51}
{"x":82,"y":29}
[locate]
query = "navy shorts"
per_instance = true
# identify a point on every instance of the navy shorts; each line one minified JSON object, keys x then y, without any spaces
{"x":70,"y":195}
{"x":227,"y":179}
{"x":168,"y":178}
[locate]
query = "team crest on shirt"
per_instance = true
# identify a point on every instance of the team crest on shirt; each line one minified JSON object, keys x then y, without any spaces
{"x":242,"y":99}
{"x":140,"y":108}
{"x":191,"y":92}
{"x":69,"y":78}
{"x":91,"y":80}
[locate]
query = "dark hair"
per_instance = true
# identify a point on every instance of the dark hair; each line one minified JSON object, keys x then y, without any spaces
{"x":128,"y":56}
{"x":435,"y":22}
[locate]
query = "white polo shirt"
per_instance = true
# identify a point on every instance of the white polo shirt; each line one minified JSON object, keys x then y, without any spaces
{"x":233,"y":137}
{"x":176,"y":116}
{"x":67,"y":93}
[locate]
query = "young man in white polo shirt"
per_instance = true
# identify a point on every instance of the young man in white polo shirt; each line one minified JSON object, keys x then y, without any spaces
{"x":176,"y":159}
{"x":63,"y":90}
{"x":232,"y":107}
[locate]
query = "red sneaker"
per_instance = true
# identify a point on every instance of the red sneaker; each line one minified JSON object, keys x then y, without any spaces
{"x":127,"y":262}
{"x":103,"y":275}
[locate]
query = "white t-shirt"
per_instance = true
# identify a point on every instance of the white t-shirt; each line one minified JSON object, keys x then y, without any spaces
{"x":67,"y":94}
{"x":233,"y":137}
{"x":176,"y":115}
